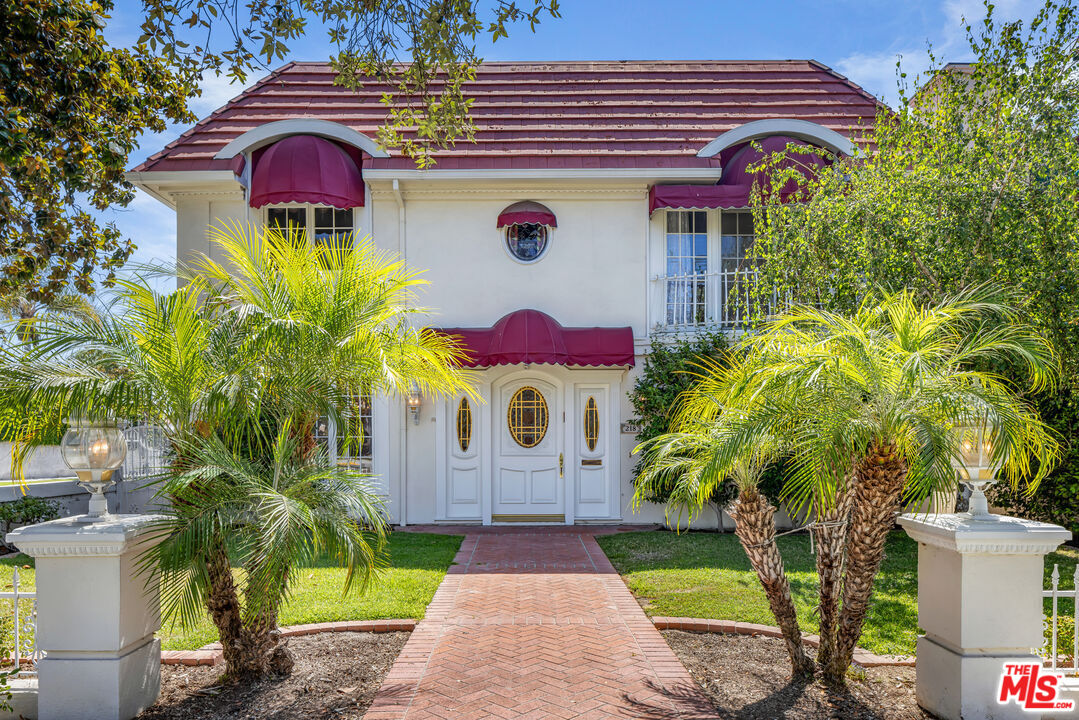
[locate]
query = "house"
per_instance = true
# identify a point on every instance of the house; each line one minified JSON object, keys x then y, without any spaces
{"x":602,"y":205}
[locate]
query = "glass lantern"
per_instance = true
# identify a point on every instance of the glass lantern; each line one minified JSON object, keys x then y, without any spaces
{"x":94,"y":450}
{"x":414,"y":401}
{"x":975,"y":465}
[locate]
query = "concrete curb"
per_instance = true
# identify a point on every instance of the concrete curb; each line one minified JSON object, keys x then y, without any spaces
{"x":862,"y":658}
{"x":211,"y":654}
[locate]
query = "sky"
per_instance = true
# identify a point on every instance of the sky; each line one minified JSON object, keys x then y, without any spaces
{"x":861,"y":39}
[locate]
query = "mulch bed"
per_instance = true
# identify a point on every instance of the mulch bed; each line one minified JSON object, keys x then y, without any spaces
{"x":336,"y":676}
{"x":749,"y":678}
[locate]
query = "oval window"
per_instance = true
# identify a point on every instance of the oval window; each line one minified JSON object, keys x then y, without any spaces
{"x":464,"y":424}
{"x":527,"y":417}
{"x":526,"y":241}
{"x":591,"y":423}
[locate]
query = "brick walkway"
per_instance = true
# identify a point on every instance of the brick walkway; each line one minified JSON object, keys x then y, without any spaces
{"x":535,"y":624}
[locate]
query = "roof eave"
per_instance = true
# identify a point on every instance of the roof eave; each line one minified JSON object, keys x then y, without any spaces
{"x":163,"y":185}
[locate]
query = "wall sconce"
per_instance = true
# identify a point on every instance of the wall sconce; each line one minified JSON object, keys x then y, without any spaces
{"x":94,"y":450}
{"x":413,"y":403}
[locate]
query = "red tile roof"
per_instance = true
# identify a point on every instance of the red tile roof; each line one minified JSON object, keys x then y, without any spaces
{"x":557,"y":114}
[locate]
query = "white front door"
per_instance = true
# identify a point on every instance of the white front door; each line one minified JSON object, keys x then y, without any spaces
{"x":529,"y":465}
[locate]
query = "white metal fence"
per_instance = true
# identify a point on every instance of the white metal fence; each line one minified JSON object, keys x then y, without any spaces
{"x":146,"y":452}
{"x":1054,"y":654}
{"x":25,"y":653}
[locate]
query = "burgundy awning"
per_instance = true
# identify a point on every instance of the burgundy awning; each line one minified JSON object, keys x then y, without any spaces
{"x":697,"y":197}
{"x":526,"y":211}
{"x":306,"y":169}
{"x":530,"y":336}
{"x":736,"y":183}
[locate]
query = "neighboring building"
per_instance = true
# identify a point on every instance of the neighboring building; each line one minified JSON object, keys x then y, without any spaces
{"x":602,"y":204}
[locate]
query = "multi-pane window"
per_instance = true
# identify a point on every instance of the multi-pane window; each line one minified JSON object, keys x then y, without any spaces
{"x":738,"y":265}
{"x":710,"y":267}
{"x":332,"y":226}
{"x":354,"y":446}
{"x":687,"y":267}
{"x":325,"y":224}
{"x":351,"y":442}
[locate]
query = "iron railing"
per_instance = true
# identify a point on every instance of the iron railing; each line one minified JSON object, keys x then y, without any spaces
{"x":701,"y":300}
{"x":24,"y":628}
{"x":1055,"y":594}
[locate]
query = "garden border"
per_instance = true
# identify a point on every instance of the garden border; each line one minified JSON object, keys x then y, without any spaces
{"x":211,"y":654}
{"x":862,"y":658}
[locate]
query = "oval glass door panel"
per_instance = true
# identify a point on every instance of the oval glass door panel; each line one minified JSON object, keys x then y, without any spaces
{"x":527,"y":417}
{"x":464,"y":424}
{"x":591,"y":423}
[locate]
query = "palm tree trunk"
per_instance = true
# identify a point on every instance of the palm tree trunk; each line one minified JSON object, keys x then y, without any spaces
{"x":223,"y":603}
{"x":878,"y":487}
{"x":831,"y":537}
{"x":754,"y":524}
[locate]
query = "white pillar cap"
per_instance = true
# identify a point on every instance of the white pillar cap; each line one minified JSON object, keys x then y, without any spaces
{"x":992,"y":535}
{"x":66,"y":537}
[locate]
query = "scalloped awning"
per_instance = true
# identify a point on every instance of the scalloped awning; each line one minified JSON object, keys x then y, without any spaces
{"x":306,"y":169}
{"x":526,"y":211}
{"x":736,"y":183}
{"x":530,"y":336}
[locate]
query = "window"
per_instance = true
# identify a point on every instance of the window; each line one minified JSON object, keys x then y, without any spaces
{"x":687,"y":267}
{"x":354,"y":442}
{"x":326,"y":224}
{"x":527,"y":417}
{"x":709,"y":268}
{"x":738,"y":265}
{"x":591,"y":424}
{"x":526,"y":241}
{"x":464,"y":424}
{"x":333,"y":226}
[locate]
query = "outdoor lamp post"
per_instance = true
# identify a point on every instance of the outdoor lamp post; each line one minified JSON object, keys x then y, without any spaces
{"x":94,"y":450}
{"x":975,"y":465}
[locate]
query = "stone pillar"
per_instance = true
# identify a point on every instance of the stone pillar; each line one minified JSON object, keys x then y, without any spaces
{"x":96,"y":617}
{"x":980,"y":604}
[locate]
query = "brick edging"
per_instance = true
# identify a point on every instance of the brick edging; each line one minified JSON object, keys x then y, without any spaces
{"x":863,"y":658}
{"x":211,"y":654}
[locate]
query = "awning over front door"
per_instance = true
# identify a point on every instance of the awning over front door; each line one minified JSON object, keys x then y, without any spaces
{"x":530,"y":336}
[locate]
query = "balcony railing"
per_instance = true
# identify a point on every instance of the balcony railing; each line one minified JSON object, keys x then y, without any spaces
{"x":703,"y":300}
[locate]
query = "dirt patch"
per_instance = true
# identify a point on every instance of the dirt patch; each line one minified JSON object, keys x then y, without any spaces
{"x":749,"y":678}
{"x":336,"y":675}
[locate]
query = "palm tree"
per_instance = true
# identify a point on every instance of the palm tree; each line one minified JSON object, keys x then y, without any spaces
{"x":867,"y":408}
{"x":684,"y":461}
{"x":273,"y":338}
{"x":26,"y":313}
{"x":270,"y":514}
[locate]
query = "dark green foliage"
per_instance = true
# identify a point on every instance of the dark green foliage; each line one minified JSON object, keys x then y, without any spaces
{"x":1057,"y":497}
{"x":27,"y":510}
{"x":669,"y":370}
{"x":72,"y":108}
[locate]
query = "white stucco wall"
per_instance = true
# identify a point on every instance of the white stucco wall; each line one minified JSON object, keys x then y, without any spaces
{"x":595,"y":272}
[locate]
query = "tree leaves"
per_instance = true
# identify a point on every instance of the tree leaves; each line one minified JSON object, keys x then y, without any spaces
{"x":71,"y":110}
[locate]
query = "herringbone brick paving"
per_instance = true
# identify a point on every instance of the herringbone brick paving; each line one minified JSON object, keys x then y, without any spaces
{"x":535,"y":624}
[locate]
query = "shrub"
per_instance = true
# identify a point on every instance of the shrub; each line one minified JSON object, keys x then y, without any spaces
{"x":27,"y":510}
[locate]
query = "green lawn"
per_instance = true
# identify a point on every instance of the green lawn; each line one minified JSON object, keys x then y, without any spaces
{"x":707,"y":575}
{"x":418,"y":561}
